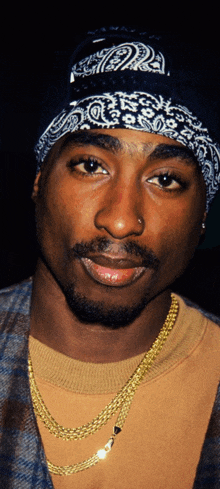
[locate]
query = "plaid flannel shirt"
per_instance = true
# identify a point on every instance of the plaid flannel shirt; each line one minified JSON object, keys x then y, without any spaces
{"x":22,"y":459}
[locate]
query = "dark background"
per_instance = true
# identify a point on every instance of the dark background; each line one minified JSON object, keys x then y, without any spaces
{"x":28,"y":67}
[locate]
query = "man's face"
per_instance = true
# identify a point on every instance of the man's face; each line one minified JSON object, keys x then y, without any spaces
{"x":119,"y":214}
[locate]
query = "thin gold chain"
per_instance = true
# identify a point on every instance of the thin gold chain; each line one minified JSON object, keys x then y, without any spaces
{"x":122,"y":401}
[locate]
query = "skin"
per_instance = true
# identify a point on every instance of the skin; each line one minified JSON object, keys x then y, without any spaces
{"x":124,"y":200}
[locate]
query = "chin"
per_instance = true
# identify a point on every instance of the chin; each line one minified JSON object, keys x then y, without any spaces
{"x":91,"y":312}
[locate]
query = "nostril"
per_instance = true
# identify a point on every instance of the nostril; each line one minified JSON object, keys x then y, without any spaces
{"x":119,"y":226}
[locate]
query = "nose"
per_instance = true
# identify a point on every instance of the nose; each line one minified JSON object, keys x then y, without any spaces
{"x":120,"y":213}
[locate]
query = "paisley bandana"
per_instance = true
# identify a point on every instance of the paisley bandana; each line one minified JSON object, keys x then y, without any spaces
{"x":135,"y":109}
{"x":127,"y":56}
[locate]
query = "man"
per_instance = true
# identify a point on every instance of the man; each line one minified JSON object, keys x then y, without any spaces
{"x":126,"y":174}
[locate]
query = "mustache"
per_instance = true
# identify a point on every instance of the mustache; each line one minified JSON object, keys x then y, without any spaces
{"x":147,"y":257}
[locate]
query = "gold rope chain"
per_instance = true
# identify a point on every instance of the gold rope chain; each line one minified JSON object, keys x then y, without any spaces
{"x":122,"y":401}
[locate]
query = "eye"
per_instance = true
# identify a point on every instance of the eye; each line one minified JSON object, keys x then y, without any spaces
{"x":88,"y":166}
{"x":167,"y":181}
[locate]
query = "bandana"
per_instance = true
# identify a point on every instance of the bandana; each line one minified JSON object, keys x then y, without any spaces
{"x":129,"y":86}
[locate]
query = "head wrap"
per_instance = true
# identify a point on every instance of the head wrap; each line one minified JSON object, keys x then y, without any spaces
{"x":127,"y":80}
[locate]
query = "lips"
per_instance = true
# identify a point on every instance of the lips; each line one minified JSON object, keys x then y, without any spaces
{"x":112,"y":271}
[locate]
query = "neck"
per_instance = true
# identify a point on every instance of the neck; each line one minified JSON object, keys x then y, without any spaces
{"x":54,"y":324}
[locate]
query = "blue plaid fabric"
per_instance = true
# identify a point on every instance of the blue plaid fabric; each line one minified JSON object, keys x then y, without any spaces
{"x":208,"y":471}
{"x":22,"y":459}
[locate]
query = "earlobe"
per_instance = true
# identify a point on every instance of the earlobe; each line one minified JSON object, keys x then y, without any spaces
{"x":36,"y":186}
{"x":204,"y":223}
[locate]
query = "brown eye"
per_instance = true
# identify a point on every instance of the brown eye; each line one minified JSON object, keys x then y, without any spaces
{"x":91,"y":166}
{"x":88,"y":167}
{"x":166,"y":181}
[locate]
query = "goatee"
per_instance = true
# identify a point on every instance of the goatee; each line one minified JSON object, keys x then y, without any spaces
{"x":89,"y":311}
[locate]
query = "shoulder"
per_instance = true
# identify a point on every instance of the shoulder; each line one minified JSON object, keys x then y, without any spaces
{"x":16,"y":298}
{"x":201,"y":312}
{"x":202,"y":327}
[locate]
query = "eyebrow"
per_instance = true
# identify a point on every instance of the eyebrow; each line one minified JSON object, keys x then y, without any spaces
{"x":166,"y":151}
{"x":112,"y":144}
{"x":86,"y":138}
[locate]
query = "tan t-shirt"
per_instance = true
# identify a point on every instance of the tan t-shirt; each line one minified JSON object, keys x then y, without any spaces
{"x":160,"y":444}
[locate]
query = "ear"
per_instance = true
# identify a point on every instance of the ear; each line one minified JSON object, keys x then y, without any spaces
{"x":36,"y":187}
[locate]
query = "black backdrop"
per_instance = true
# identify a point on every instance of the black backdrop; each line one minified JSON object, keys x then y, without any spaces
{"x":24,"y":79}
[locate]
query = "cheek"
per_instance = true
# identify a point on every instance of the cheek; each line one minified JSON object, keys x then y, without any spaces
{"x":173,"y":236}
{"x":64,"y":215}
{"x":175,"y":231}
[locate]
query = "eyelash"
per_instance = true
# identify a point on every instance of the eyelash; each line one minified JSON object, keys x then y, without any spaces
{"x":174,"y":177}
{"x":170,"y":174}
{"x":73,"y":166}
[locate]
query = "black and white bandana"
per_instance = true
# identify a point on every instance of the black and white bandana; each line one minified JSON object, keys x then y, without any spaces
{"x":128,"y":67}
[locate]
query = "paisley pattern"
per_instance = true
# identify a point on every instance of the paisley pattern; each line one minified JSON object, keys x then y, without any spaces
{"x":143,"y":112}
{"x":133,"y":56}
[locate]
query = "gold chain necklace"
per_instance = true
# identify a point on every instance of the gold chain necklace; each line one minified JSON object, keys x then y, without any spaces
{"x":122,"y":401}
